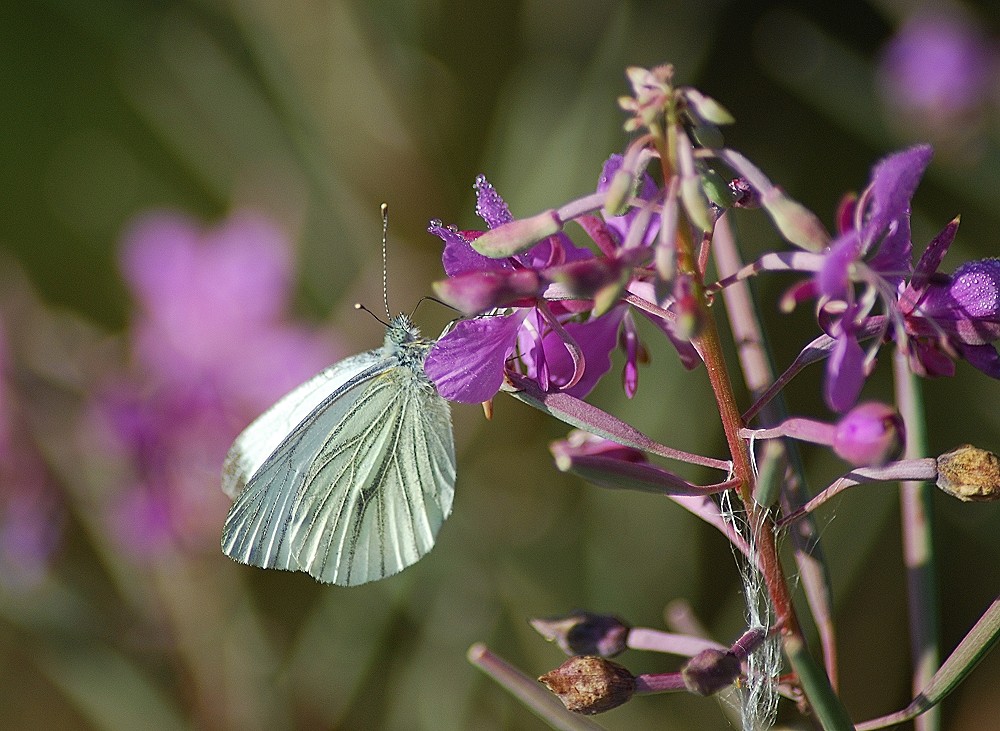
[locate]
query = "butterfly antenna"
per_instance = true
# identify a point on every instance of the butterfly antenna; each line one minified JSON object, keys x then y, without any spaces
{"x":359,"y":306}
{"x":385,"y":260}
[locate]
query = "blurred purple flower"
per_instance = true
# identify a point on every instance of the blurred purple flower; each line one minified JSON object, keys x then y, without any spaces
{"x":937,"y":73}
{"x":212,"y":348}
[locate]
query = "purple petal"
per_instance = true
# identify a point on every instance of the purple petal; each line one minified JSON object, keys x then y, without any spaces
{"x":489,"y":205}
{"x":467,"y":364}
{"x":833,"y":278}
{"x":611,"y":166}
{"x":975,"y":286}
{"x":931,"y":259}
{"x":927,"y":359}
{"x":596,"y":338}
{"x":968,"y":306}
{"x":894,"y":181}
{"x":845,"y":373}
{"x":458,"y":256}
{"x":983,"y":357}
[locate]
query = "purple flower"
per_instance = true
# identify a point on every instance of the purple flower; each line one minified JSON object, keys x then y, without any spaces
{"x":542,"y":336}
{"x":946,"y":317}
{"x":212,"y":348}
{"x":874,"y":250}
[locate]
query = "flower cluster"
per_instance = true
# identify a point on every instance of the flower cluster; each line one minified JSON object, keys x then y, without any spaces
{"x":555,"y":310}
{"x":544,"y":313}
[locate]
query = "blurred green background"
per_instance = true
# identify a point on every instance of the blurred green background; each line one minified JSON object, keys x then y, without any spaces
{"x":314,"y":113}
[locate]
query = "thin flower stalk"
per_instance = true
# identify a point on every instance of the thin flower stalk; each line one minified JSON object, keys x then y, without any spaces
{"x":917,"y":526}
{"x":780,"y":456}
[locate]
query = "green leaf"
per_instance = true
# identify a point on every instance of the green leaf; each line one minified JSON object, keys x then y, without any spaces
{"x":970,"y":651}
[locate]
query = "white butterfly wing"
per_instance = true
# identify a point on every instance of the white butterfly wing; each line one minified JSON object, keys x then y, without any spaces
{"x":390,"y":469}
{"x":259,"y":440}
{"x":259,"y":526}
{"x":358,"y":489}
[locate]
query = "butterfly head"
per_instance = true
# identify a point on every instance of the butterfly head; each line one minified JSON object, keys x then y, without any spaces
{"x":401,"y":330}
{"x":402,"y":338}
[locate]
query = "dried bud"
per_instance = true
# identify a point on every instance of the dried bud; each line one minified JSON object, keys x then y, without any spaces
{"x":590,"y":685}
{"x":518,"y":235}
{"x":710,"y":671}
{"x":970,"y":474}
{"x":870,"y":435}
{"x":585,"y":633}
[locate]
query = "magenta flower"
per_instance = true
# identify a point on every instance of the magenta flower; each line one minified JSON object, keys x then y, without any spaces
{"x":946,"y":317}
{"x":212,"y":348}
{"x":467,"y":364}
{"x":872,"y":251}
{"x":554,"y":311}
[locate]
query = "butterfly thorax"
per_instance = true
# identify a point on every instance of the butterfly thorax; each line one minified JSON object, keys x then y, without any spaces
{"x":402,"y":338}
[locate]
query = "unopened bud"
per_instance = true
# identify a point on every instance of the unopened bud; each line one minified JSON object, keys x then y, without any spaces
{"x":970,"y":474}
{"x":870,"y":435}
{"x":796,"y":222}
{"x":621,"y":188}
{"x":475,"y":292}
{"x":710,"y":671}
{"x":706,"y":108}
{"x":518,"y":235}
{"x":585,"y":633}
{"x":590,"y":685}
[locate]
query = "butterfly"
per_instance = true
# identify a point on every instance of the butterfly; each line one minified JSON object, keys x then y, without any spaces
{"x":348,"y":477}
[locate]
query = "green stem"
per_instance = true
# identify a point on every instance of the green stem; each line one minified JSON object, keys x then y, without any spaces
{"x":916,"y":515}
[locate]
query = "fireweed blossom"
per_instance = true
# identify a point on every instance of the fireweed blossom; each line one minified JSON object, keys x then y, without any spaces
{"x":211,"y":348}
{"x":863,"y":267}
{"x":553,"y":311}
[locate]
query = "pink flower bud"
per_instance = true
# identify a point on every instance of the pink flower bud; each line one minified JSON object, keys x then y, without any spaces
{"x":870,"y":435}
{"x":517,"y":236}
